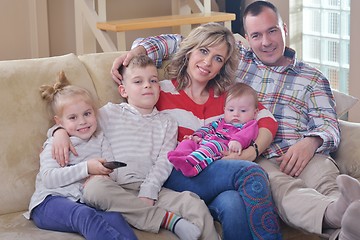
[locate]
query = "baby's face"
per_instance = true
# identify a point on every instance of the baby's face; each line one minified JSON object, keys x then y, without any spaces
{"x":240,"y":110}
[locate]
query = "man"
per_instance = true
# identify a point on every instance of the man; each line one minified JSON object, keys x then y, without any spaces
{"x":307,"y":188}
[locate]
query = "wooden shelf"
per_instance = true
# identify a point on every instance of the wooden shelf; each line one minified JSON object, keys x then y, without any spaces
{"x":164,"y":21}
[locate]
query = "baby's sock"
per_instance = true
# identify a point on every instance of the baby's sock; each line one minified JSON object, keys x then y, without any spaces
{"x":184,"y":229}
{"x":350,"y":192}
{"x":180,"y":163}
{"x":350,"y":222}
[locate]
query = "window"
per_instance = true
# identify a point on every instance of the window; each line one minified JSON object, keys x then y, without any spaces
{"x":326,"y":39}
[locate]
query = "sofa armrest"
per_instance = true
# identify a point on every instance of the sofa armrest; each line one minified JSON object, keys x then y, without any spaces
{"x":348,"y":154}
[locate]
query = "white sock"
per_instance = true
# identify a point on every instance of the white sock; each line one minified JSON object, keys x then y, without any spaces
{"x":185,"y":230}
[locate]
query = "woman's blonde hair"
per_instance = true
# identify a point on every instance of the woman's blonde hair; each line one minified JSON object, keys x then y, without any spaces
{"x":206,"y":35}
{"x":58,"y":95}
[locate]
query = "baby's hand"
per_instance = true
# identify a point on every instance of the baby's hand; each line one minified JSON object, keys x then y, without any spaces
{"x":96,"y":167}
{"x":235,"y":146}
{"x":194,"y":138}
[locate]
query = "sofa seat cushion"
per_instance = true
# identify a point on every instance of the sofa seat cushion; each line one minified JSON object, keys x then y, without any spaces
{"x":14,"y":226}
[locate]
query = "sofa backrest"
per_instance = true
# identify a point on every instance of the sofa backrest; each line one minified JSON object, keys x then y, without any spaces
{"x":24,"y":121}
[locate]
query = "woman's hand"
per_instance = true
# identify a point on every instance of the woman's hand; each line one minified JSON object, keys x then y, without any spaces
{"x":124,"y":60}
{"x":61,"y":146}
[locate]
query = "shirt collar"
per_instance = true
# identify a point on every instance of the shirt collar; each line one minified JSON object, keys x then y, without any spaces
{"x":134,"y":111}
{"x":289,"y":53}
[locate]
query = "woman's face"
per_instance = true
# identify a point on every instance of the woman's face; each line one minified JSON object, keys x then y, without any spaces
{"x":205,"y":62}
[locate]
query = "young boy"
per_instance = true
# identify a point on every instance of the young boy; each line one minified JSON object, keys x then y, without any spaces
{"x":233,"y":132}
{"x":141,"y":136}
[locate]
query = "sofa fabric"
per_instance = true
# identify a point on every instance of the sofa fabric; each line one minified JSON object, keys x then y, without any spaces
{"x":24,"y":122}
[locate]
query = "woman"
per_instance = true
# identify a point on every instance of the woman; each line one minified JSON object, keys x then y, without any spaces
{"x":236,"y":192}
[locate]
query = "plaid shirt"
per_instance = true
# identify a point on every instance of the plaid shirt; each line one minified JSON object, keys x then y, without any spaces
{"x":298,"y":95}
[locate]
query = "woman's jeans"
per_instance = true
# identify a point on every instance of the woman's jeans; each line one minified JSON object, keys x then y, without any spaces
{"x":238,"y":196}
{"x":58,"y":213}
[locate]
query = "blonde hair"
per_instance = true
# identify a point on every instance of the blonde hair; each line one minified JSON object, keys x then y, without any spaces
{"x":206,"y":35}
{"x":58,"y":95}
{"x":241,"y":89}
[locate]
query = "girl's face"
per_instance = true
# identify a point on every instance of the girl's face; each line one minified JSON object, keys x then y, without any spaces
{"x":78,"y":118}
{"x":205,"y":62}
{"x":240,"y":109}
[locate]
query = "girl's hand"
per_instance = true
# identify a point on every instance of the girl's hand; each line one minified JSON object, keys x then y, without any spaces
{"x":235,"y":147}
{"x":61,"y":147}
{"x":96,"y":167}
{"x":194,"y":138}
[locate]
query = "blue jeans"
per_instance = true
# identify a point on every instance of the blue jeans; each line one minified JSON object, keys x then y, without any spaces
{"x":58,"y":213}
{"x":253,"y":204}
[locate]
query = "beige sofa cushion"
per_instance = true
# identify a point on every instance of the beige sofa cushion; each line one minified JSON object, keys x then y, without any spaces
{"x":24,"y":122}
{"x":343,"y":102}
{"x":348,"y":154}
{"x":99,"y":66}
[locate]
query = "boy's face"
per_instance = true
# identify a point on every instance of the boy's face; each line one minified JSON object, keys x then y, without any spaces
{"x":240,"y":110}
{"x":141,"y":88}
{"x":78,"y":118}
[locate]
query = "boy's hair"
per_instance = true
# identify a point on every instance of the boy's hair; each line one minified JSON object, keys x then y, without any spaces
{"x":62,"y":92}
{"x":257,"y":7}
{"x":206,"y":35}
{"x":139,"y":61}
{"x":240,"y":89}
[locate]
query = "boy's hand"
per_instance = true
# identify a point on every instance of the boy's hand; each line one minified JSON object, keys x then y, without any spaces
{"x":61,"y":147}
{"x":96,"y":167}
{"x":148,"y":201}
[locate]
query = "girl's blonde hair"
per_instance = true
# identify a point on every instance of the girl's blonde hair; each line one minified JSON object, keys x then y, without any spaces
{"x":206,"y":35}
{"x":61,"y":93}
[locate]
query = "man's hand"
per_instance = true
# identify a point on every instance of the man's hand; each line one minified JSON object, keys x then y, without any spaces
{"x":299,"y":155}
{"x":124,"y":60}
{"x":61,"y":147}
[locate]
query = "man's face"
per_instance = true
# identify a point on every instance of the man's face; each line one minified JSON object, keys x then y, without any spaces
{"x":266,"y":37}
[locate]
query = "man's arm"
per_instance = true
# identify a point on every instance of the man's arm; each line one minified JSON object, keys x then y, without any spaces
{"x":157,"y":48}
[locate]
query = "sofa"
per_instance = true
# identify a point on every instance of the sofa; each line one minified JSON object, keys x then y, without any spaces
{"x":24,"y":122}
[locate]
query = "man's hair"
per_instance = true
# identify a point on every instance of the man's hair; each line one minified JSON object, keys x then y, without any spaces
{"x":255,"y":8}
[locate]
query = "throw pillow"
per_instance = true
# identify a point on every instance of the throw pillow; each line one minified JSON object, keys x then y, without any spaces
{"x":343,"y":102}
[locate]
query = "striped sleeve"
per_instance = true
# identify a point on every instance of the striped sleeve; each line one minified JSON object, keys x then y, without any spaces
{"x":267,"y":120}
